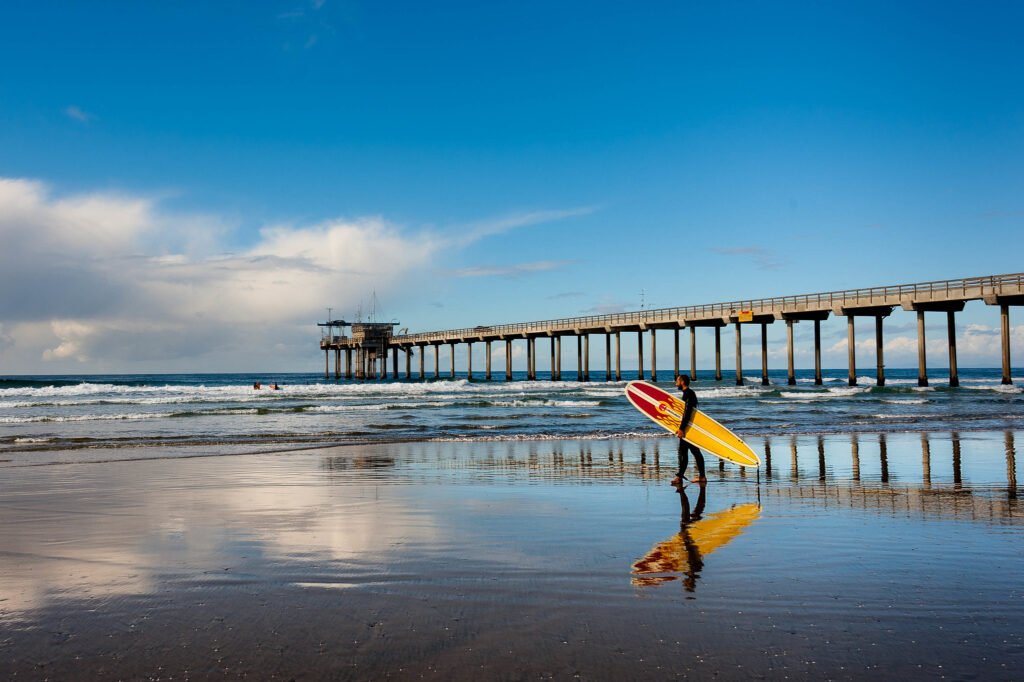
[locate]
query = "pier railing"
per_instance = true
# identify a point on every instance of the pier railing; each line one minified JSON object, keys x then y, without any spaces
{"x":962,"y":289}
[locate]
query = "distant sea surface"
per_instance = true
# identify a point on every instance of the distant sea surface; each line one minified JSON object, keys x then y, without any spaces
{"x":69,"y":413}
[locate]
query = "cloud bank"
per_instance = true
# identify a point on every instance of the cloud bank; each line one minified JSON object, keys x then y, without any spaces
{"x":108,"y":279}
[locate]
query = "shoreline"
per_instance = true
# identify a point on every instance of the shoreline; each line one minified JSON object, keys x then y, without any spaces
{"x":461,"y":560}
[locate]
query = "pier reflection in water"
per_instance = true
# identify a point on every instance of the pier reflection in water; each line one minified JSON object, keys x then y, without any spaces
{"x":430,"y":554}
{"x":967,"y":475}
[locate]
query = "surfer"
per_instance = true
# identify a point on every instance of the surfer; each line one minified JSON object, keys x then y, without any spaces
{"x":685,"y":448}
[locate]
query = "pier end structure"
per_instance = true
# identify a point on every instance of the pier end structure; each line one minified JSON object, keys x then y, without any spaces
{"x":370,"y":341}
{"x":939,"y":296}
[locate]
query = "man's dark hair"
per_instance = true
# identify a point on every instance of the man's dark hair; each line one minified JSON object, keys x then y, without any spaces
{"x":685,"y":378}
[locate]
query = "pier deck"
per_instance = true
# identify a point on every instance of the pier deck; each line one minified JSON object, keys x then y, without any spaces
{"x":948,"y":296}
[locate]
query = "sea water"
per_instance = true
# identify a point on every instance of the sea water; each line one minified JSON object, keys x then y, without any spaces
{"x":76,"y":413}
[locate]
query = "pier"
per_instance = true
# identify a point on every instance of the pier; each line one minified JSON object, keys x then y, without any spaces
{"x":372,"y":343}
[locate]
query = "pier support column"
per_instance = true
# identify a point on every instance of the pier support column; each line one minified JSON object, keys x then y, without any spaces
{"x":640,"y":354}
{"x":487,"y":361}
{"x":618,"y":356}
{"x":508,"y":359}
{"x":739,"y":355}
{"x":384,"y":365}
{"x":558,"y":357}
{"x":394,"y":363}
{"x":552,"y":372}
{"x":337,"y":363}
{"x":327,"y":364}
{"x":851,"y":350}
{"x":469,"y":361}
{"x":452,"y":348}
{"x":954,"y":378}
{"x":437,"y":360}
{"x":608,"y":357}
{"x":423,"y":353}
{"x":675,"y":362}
{"x":879,"y":353}
{"x":693,"y":353}
{"x":408,"y":363}
{"x":654,"y":354}
{"x":764,"y":353}
{"x":531,"y":355}
{"x":922,"y":360}
{"x":579,"y":358}
{"x":586,"y":357}
{"x":790,"y":375}
{"x":718,"y":353}
{"x":817,"y":352}
{"x":348,"y":363}
{"x":1004,"y":318}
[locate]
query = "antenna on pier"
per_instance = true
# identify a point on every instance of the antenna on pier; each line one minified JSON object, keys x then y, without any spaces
{"x":359,"y":312}
{"x":330,"y":329}
{"x":373,"y":306}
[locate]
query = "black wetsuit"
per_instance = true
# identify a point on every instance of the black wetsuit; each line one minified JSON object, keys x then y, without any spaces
{"x":690,"y":398}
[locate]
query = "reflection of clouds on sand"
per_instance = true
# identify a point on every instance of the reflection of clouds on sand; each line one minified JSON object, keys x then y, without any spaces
{"x":33,"y":580}
{"x":124,"y":531}
{"x":335,"y":523}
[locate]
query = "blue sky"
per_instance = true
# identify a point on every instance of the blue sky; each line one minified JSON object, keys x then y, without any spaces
{"x":182,"y":176}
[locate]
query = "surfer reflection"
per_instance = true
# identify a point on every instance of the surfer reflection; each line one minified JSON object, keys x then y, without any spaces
{"x":683,"y":555}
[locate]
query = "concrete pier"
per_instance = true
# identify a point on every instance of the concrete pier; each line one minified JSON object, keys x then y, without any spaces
{"x":718,"y":352}
{"x":508,"y":359}
{"x":579,"y":358}
{"x":879,"y":352}
{"x":469,"y":360}
{"x":675,"y":364}
{"x":451,"y":374}
{"x":954,"y":378}
{"x":817,"y":352}
{"x":922,"y":358}
{"x":437,"y":360}
{"x":618,"y":357}
{"x":790,"y":370}
{"x":558,"y":358}
{"x":764,"y":354}
{"x":607,"y":357}
{"x":920,"y":307}
{"x":851,"y":351}
{"x":693,"y":353}
{"x":1004,"y":323}
{"x":640,"y":354}
{"x":487,"y":361}
{"x":654,"y":354}
{"x":370,"y":344}
{"x":586,"y":357}
{"x":739,"y":354}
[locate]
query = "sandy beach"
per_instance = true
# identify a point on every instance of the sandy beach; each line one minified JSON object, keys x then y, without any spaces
{"x":889,"y":555}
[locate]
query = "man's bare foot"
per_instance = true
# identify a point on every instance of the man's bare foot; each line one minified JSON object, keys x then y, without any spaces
{"x":676,"y":481}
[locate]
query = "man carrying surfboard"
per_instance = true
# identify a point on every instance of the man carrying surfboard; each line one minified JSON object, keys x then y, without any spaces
{"x":685,"y":447}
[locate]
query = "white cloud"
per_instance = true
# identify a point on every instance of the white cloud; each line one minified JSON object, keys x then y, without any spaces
{"x":511,"y":270}
{"x":118,"y":278}
{"x":762,"y":257}
{"x":103,"y":279}
{"x":490,"y":228}
{"x":78,"y":114}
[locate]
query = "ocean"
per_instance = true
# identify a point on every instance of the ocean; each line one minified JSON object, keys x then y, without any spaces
{"x":74,"y":415}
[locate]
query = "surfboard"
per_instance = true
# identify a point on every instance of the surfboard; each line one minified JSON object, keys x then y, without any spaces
{"x":705,"y":536}
{"x":666,"y":410}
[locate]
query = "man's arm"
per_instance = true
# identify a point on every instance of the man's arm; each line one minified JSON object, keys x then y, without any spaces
{"x":691,"y":406}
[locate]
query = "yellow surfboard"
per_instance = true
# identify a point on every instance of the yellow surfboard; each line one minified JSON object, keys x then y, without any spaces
{"x":666,"y":410}
{"x":704,"y":537}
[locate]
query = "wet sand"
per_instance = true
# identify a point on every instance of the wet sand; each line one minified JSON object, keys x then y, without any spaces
{"x":895,"y":555}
